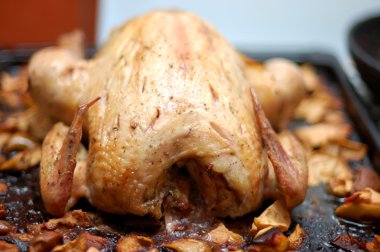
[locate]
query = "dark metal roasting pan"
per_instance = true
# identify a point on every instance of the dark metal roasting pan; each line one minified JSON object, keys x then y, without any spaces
{"x":24,"y":205}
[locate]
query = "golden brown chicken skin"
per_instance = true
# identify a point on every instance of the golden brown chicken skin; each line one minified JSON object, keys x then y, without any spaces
{"x":172,"y":90}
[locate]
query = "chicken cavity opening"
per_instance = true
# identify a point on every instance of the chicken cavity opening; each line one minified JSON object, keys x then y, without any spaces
{"x":191,"y":191}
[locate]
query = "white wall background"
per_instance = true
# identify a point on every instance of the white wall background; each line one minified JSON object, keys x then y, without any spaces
{"x":258,"y":25}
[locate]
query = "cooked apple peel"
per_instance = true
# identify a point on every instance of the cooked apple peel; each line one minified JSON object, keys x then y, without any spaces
{"x":222,"y":236}
{"x":320,"y":134}
{"x":366,"y":177}
{"x":270,"y":239}
{"x":187,"y":245}
{"x":135,"y":243}
{"x":346,"y":149}
{"x":324,"y":167}
{"x":361,"y":206}
{"x":276,"y":215}
{"x":297,"y":237}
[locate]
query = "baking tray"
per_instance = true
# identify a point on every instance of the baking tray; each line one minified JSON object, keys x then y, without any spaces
{"x":316,"y":214}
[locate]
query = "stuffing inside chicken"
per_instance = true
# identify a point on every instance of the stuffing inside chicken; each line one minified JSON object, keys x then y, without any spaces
{"x":165,"y":89}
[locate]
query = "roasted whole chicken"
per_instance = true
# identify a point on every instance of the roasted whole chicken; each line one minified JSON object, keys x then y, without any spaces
{"x":166,"y":90}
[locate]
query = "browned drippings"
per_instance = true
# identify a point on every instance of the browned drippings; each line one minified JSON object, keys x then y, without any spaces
{"x":316,"y":215}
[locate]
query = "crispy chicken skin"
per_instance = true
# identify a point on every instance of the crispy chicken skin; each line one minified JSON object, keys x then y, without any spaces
{"x":171,"y":89}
